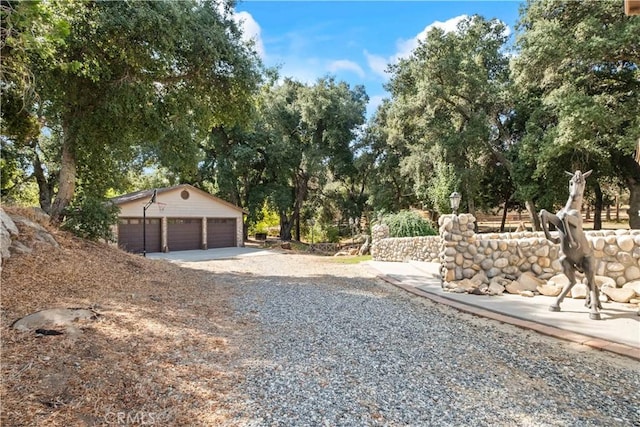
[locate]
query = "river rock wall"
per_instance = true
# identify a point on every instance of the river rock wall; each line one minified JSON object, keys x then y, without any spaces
{"x":463,"y":253}
{"x":402,"y":249}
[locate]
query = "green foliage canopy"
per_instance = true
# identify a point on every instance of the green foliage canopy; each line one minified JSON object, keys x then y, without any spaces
{"x":447,"y":106}
{"x":578,"y":62}
{"x":136,"y":80}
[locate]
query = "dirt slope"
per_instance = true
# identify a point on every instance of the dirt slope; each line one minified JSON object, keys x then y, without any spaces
{"x":160,"y":352}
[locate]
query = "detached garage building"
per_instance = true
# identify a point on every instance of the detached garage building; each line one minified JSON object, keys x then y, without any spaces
{"x":182,"y":218}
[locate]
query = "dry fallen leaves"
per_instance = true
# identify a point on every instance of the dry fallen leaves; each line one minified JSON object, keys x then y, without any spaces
{"x":159,"y":354}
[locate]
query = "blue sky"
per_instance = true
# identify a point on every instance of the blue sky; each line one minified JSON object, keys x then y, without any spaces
{"x":352,"y":40}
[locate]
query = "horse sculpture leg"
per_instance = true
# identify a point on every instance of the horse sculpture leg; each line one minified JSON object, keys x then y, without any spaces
{"x":571,"y":275}
{"x":593,"y":299}
{"x":545,"y":218}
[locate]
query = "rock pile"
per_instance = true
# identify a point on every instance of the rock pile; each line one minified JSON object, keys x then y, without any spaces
{"x":528,"y":285}
{"x":11,"y":227}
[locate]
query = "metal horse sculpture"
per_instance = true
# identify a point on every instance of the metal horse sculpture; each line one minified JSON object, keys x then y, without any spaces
{"x":577,"y":254}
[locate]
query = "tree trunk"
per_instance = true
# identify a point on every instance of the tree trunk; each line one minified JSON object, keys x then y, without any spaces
{"x":597,"y":212}
{"x":631,"y":171}
{"x":504,"y":215}
{"x":533,"y":215}
{"x":302,"y":185}
{"x":45,"y":186}
{"x":67,"y":182}
{"x":634,"y":203}
{"x":471,"y":205}
{"x":286,"y":224}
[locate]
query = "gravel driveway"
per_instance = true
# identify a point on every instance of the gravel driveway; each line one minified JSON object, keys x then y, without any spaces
{"x":331,"y":345}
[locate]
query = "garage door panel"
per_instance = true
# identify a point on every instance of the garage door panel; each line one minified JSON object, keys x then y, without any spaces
{"x":184,"y":234}
{"x":130,"y":235}
{"x":221,"y":232}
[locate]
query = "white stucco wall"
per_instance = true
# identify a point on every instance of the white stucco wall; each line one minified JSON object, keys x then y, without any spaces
{"x":198,"y":205}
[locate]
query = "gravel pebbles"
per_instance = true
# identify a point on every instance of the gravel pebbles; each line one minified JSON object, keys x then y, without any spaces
{"x":331,"y":345}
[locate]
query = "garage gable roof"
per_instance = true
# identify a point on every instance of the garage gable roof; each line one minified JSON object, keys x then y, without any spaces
{"x":146,"y":195}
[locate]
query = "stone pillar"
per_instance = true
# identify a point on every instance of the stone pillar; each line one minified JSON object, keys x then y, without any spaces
{"x":378,"y":232}
{"x":203,"y":234}
{"x":456,"y":234}
{"x":163,"y":234}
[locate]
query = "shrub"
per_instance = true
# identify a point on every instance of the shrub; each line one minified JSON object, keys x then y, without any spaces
{"x":91,"y":218}
{"x":332,"y":233}
{"x":408,"y":224}
{"x":269,"y":220}
{"x":322,"y":233}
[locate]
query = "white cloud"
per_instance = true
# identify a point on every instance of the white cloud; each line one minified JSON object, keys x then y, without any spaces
{"x":344,"y":64}
{"x":304,"y":70}
{"x":250,"y":31}
{"x":374,"y":102}
{"x":378,"y":64}
{"x":405,"y":47}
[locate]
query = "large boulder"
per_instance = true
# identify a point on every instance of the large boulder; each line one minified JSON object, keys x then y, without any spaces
{"x":562,"y":280}
{"x":11,"y":227}
{"x":495,"y":288}
{"x":526,"y":282}
{"x":604,"y":281}
{"x":623,"y":295}
{"x":53,"y":318}
{"x":40,"y":233}
{"x":579,"y":291}
{"x":559,"y":280}
{"x":549,"y":290}
{"x":480,"y":278}
{"x":530,"y":282}
{"x":515,"y":288}
{"x":635,"y":285}
{"x":466,"y":285}
{"x":8,"y":231}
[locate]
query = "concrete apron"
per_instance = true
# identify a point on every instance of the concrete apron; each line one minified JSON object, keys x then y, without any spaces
{"x":619,"y":328}
{"x":209,"y":254}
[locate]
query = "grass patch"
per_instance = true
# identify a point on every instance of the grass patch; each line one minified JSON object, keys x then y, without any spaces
{"x":351,"y":259}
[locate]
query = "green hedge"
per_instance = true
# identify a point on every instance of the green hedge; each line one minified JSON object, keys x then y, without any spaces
{"x":408,"y":224}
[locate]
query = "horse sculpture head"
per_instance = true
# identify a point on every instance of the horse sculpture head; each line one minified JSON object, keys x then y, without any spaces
{"x":577,"y":183}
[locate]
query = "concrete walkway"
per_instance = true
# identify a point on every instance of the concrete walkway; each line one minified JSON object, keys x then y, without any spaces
{"x":209,"y":254}
{"x":618,"y":331}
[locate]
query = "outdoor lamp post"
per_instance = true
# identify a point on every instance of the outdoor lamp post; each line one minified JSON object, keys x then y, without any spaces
{"x":454,"y":198}
{"x":144,"y":222}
